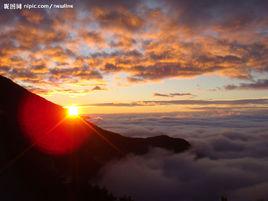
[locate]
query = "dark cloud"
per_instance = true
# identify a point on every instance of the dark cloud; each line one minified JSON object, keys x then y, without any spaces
{"x":228,"y":157}
{"x":93,"y":38}
{"x":75,"y":72}
{"x":115,"y":104}
{"x":259,"y":84}
{"x":4,"y":69}
{"x":187,"y":102}
{"x":38,"y":90}
{"x":161,"y":95}
{"x":97,"y":88}
{"x":223,"y":14}
{"x":172,"y":94}
{"x":111,"y":68}
{"x":166,"y":70}
{"x":117,"y":18}
{"x":181,"y":94}
{"x":23,"y":73}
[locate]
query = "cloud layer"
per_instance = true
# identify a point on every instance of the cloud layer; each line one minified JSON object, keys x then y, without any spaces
{"x":172,"y":94}
{"x":259,"y":84}
{"x":228,"y":158}
{"x":230,"y":103}
{"x":147,"y":40}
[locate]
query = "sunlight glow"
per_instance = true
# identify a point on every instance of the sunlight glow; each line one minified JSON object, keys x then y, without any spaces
{"x":73,"y":111}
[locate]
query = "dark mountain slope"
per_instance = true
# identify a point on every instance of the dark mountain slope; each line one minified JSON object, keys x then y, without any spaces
{"x":45,"y":155}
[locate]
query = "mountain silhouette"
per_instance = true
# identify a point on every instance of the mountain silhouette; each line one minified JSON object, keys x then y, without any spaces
{"x":46,"y":155}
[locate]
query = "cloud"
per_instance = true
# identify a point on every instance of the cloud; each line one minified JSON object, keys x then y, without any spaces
{"x":228,"y":157}
{"x":148,"y":41}
{"x":172,"y":94}
{"x":180,"y":94}
{"x":164,"y":70}
{"x":186,"y":102}
{"x":108,"y":67}
{"x":219,"y":14}
{"x":97,"y":88}
{"x":182,"y":177}
{"x":261,"y":84}
{"x":83,"y":73}
{"x":118,"y":17}
{"x":161,"y":95}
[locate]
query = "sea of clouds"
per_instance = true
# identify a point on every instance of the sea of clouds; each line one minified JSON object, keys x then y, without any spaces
{"x":229,"y":156}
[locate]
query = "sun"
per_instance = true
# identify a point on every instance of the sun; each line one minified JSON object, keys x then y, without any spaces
{"x":73,"y":111}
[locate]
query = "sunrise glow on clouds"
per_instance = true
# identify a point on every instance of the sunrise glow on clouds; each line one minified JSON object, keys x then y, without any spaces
{"x":123,"y":56}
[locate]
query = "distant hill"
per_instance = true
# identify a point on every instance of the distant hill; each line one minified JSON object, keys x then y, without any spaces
{"x":45,"y":155}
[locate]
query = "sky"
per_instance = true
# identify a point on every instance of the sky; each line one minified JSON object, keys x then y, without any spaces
{"x":127,"y":56}
{"x":199,"y":69}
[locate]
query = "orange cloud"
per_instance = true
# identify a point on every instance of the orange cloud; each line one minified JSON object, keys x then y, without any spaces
{"x":147,"y":41}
